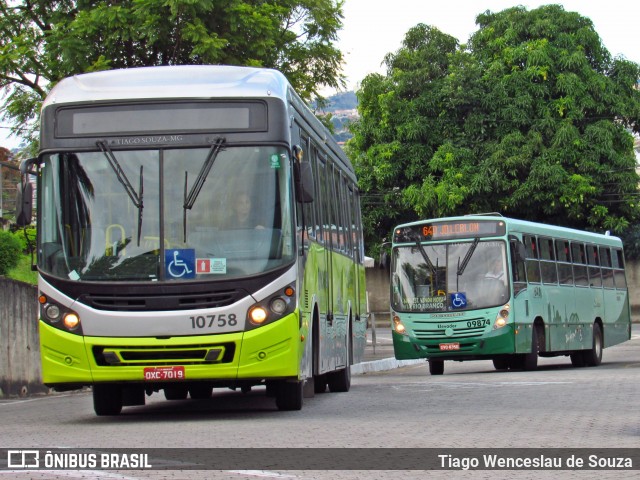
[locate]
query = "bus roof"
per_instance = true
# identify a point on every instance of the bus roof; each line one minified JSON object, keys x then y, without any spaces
{"x":166,"y":82}
{"x":524,"y":226}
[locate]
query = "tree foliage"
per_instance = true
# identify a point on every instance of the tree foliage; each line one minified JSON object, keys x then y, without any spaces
{"x":42,"y":42}
{"x":531,"y":119}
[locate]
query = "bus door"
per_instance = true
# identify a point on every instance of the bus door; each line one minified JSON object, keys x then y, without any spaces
{"x":584,"y":311}
{"x":533,"y":303}
{"x":342,"y":270}
{"x":359,"y":326}
{"x":325,"y":299}
{"x":567,"y":309}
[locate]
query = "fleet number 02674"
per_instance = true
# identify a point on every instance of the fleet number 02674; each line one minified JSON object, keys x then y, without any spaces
{"x":214,"y":321}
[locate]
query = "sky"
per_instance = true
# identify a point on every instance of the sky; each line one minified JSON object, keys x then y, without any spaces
{"x":373,"y":28}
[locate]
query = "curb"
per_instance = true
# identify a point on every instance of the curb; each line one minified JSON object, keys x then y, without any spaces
{"x":381,"y":365}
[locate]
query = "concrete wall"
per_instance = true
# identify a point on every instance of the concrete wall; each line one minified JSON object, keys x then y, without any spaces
{"x":20,"y":372}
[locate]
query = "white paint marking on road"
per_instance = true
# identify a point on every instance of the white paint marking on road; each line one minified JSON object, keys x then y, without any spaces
{"x":476,"y":384}
{"x":262,"y":473}
{"x":71,"y":474}
{"x":10,"y":401}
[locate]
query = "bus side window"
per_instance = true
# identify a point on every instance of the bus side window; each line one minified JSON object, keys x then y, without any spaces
{"x":607,"y":269}
{"x":518,"y":267}
{"x":579,"y":264}
{"x":618,"y":269}
{"x":532,"y":262}
{"x":563,"y":255}
{"x":547,"y":260}
{"x":595,"y":275}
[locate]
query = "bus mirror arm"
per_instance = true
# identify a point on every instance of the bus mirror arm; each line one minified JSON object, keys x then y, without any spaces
{"x":27,"y":165}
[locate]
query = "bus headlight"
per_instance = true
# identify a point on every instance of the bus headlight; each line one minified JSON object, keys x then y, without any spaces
{"x":257,"y":315}
{"x":52,"y":312}
{"x":71,"y":321}
{"x":58,"y":316}
{"x":398,"y":327}
{"x":502,"y":317}
{"x":272,"y":308}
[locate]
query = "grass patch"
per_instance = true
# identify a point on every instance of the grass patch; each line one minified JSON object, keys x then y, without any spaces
{"x":23,"y":272}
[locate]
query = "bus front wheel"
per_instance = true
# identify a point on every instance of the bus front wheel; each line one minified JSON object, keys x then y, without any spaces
{"x":501,"y":363}
{"x":436,"y":367}
{"x":530,"y":360}
{"x":107,"y":399}
{"x":289,"y":395}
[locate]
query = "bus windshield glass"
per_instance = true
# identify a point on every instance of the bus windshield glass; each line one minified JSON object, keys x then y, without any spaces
{"x":449,"y":277}
{"x":165,"y":214}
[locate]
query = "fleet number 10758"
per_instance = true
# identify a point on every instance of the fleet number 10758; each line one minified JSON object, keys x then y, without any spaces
{"x":214,"y":321}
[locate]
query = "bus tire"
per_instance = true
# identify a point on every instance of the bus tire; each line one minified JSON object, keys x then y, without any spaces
{"x":289,"y":395}
{"x":577,"y":359}
{"x":593,"y":357}
{"x":107,"y":399}
{"x":340,"y":380}
{"x":176,"y":393}
{"x":530,"y":360}
{"x":501,"y":363}
{"x":436,"y":367}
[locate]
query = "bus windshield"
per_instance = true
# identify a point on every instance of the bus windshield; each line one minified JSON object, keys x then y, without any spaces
{"x":449,"y":277}
{"x":165,"y":214}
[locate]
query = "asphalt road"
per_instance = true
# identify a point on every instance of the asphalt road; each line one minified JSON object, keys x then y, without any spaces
{"x":398,"y":412}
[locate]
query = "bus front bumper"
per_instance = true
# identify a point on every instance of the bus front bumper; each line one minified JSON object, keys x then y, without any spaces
{"x":271,"y":351}
{"x":495,"y":342}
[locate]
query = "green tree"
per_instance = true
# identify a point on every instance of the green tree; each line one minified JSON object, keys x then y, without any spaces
{"x":42,"y":42}
{"x":9,"y":251}
{"x":531,"y":119}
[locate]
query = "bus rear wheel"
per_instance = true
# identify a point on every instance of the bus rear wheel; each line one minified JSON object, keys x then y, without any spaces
{"x":289,"y":395}
{"x":530,"y":360}
{"x":107,"y":399}
{"x":436,"y":367}
{"x":593,"y":357}
{"x":340,"y":380}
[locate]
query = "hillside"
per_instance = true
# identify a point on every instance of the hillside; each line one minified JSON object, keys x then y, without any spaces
{"x":343,"y":108}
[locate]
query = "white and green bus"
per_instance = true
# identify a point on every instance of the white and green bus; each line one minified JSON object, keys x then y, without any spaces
{"x":486,"y":287}
{"x":198,"y":228}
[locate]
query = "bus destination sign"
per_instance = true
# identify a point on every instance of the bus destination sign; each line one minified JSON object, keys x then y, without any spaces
{"x":450,"y":230}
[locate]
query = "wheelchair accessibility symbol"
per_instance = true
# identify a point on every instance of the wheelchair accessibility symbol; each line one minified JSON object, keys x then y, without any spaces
{"x":180,"y":263}
{"x":458,"y":300}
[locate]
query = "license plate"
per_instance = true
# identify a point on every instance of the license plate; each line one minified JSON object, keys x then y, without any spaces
{"x":449,"y":346}
{"x":164,"y":373}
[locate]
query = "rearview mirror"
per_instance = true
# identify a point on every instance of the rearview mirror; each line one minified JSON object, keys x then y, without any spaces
{"x":24,"y":202}
{"x":303,"y":177}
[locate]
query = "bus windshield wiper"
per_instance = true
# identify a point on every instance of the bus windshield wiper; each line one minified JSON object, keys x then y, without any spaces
{"x":190,"y":198}
{"x":136,"y":197}
{"x":467,"y":257}
{"x":425,"y":256}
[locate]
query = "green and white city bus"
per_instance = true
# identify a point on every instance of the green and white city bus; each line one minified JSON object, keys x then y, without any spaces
{"x":487,"y":287}
{"x":198,"y":227}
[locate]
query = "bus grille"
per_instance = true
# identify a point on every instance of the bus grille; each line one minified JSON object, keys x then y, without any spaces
{"x":459,"y":330}
{"x":161,"y":301}
{"x":205,"y":354}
